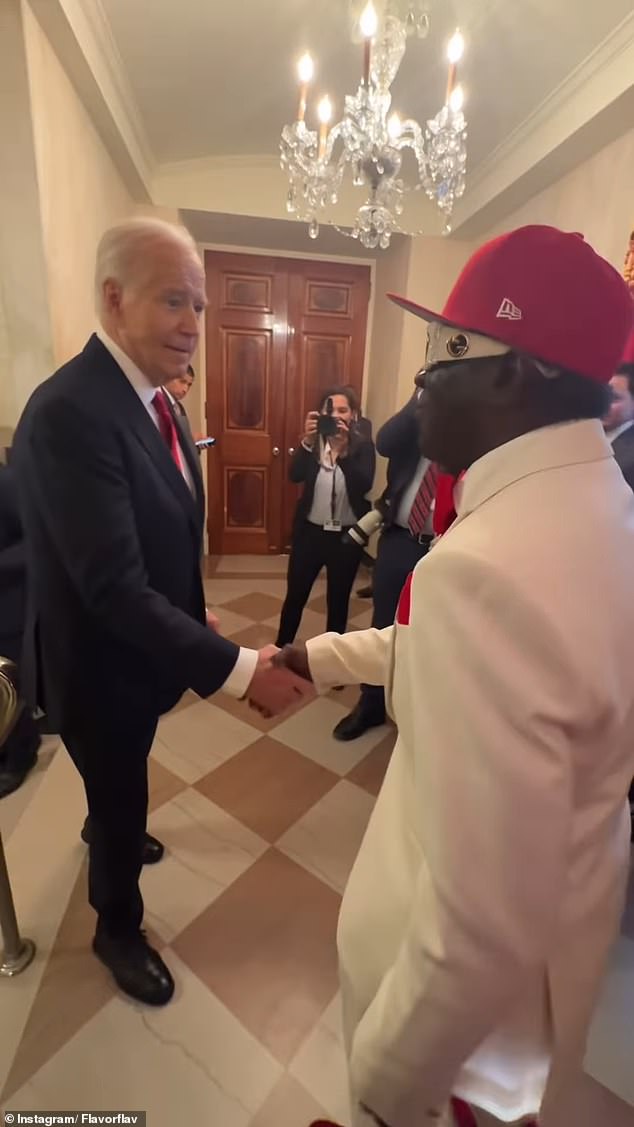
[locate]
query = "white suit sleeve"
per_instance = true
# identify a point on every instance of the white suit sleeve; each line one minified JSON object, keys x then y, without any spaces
{"x":361,"y":657}
{"x":491,"y":716}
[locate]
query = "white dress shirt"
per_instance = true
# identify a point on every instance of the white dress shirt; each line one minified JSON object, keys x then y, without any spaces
{"x":612,"y":435}
{"x":321,"y":510}
{"x":241,"y":675}
{"x":409,"y":496}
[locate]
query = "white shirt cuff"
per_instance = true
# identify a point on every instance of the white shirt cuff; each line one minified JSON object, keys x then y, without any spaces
{"x":241,"y":675}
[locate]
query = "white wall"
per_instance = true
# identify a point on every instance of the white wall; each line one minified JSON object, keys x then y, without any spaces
{"x":596,"y":199}
{"x":81,"y":191}
{"x":25,"y":338}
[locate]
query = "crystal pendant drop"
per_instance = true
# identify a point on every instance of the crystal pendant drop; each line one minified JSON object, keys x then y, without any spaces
{"x":313,"y":229}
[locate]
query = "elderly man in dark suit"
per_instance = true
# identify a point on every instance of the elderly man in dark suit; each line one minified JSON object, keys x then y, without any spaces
{"x":404,"y":541}
{"x":112,"y":502}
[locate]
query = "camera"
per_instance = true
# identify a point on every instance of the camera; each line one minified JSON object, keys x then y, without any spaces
{"x":361,"y":532}
{"x":326,"y":425}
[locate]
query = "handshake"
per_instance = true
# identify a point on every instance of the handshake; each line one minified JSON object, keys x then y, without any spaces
{"x":281,"y":680}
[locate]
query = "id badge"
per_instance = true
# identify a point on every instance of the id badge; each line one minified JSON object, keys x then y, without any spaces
{"x":332,"y":526}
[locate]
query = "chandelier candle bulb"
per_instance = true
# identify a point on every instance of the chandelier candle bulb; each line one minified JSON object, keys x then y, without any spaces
{"x":324,"y":113}
{"x":455,"y":51}
{"x":369,"y":23}
{"x":305,"y":71}
{"x":456,"y":99}
{"x":394,"y":127}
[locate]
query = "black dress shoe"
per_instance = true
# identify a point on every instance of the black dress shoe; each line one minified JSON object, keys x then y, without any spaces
{"x":355,"y":724}
{"x":153,"y":849}
{"x":136,"y":967}
{"x":10,"y":780}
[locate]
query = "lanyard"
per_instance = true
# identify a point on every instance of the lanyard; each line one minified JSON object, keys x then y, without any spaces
{"x":333,"y":494}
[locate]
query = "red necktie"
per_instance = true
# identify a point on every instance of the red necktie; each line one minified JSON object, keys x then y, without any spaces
{"x":423,"y":500}
{"x":167,"y":426}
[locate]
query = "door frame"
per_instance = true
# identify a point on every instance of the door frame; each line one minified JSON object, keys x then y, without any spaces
{"x":200,"y":360}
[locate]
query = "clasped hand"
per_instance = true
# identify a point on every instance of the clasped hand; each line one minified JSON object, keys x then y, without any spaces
{"x":281,"y":680}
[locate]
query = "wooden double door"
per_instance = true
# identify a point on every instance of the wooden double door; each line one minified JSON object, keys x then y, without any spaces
{"x":278,"y":333}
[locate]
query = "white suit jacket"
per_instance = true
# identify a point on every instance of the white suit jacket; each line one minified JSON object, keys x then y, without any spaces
{"x":478,"y":918}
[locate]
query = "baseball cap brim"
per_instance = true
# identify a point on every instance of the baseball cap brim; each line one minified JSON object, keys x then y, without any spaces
{"x":420,"y":311}
{"x":437,"y":318}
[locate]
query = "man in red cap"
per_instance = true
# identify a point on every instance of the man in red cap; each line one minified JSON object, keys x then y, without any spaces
{"x":480,"y":912}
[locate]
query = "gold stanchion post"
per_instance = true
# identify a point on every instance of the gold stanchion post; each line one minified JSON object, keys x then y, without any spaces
{"x":17,"y":952}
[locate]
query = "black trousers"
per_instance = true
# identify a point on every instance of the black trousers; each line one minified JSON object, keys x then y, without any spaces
{"x":397,"y":555}
{"x":312,"y":549}
{"x":19,"y":750}
{"x":110,"y":746}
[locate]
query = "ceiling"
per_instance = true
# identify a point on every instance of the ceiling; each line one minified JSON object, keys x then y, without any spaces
{"x":213,"y":78}
{"x":190,"y":97}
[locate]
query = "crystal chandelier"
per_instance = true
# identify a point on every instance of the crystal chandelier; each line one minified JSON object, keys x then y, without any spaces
{"x":371,"y":140}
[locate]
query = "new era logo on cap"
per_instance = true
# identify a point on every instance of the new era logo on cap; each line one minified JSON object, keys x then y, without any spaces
{"x":509,"y":311}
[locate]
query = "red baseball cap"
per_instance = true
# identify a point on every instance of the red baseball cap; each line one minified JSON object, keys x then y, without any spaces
{"x":628,"y":355}
{"x":543,"y":293}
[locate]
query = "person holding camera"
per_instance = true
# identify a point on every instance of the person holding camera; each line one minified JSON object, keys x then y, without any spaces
{"x":335,"y":463}
{"x":406,"y":509}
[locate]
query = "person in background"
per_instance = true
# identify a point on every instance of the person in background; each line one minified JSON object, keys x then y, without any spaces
{"x":113,"y":509}
{"x":619,"y":421}
{"x":19,"y":753}
{"x":480,"y":914}
{"x":178,"y":388}
{"x":619,"y":426}
{"x":407,"y":534}
{"x":337,"y":472}
{"x":363,"y":424}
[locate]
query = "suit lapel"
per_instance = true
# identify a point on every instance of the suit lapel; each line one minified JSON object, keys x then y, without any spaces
{"x":120,"y":397}
{"x":192,"y":456}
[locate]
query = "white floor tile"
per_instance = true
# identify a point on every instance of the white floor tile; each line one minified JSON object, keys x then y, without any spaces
{"x":207,"y":850}
{"x":190,"y":1062}
{"x":192,"y":742}
{"x":610,"y":1058}
{"x":320,"y":1066}
{"x":327,"y":839}
{"x":310,"y":732}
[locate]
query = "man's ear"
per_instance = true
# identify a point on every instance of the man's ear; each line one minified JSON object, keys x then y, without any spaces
{"x":510,"y":376}
{"x":112,"y":294}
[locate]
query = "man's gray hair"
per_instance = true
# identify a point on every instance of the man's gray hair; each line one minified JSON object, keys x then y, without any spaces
{"x":121,"y":249}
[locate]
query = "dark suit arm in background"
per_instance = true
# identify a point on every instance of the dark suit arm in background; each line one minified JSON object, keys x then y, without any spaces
{"x":12,"y":564}
{"x":623,"y":448}
{"x":398,"y":432}
{"x":74,"y":468}
{"x":302,"y":463}
{"x":358,"y":468}
{"x":627,"y":469}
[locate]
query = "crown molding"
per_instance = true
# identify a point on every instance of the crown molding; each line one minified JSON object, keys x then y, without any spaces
{"x":198,"y":166}
{"x":596,"y":91}
{"x":82,"y":38}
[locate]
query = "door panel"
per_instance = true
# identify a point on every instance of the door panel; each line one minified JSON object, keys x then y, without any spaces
{"x":279,"y":333}
{"x":246,"y":374}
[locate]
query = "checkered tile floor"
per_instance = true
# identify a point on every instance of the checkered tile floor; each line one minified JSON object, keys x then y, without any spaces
{"x":262,"y":821}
